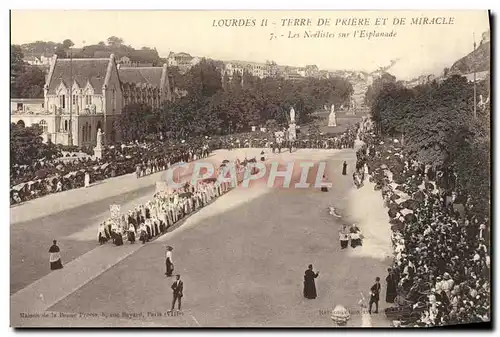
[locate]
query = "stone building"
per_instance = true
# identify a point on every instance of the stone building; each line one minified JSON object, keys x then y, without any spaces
{"x":89,"y":94}
{"x":149,"y":85}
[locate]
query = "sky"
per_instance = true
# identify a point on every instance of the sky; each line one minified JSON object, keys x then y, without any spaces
{"x":418,"y":49}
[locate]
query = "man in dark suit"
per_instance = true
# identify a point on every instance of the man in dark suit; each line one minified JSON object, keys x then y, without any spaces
{"x":374,"y":295}
{"x":177,"y":288}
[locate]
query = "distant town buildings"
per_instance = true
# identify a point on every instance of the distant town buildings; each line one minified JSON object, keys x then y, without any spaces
{"x":39,"y":61}
{"x":183,"y":61}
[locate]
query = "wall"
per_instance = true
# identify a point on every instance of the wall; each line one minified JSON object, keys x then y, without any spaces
{"x":33,"y":106}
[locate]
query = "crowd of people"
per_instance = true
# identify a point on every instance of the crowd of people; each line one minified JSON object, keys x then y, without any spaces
{"x":268,"y":140}
{"x":45,"y":177}
{"x":51,"y":176}
{"x":147,"y":222}
{"x":442,"y":266}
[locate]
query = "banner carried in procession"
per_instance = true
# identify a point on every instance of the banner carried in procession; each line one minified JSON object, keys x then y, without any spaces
{"x":115,"y":211}
{"x":161,"y":187}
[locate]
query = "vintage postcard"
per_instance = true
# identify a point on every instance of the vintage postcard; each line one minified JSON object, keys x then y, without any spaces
{"x":250,"y":169}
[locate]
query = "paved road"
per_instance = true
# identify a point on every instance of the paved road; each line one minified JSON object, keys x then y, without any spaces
{"x":30,"y":240}
{"x":242,"y":262}
{"x":71,"y":217}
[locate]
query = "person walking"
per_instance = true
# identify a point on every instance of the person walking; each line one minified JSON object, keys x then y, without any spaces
{"x":309,"y":283}
{"x":168,"y":262}
{"x":55,"y":256}
{"x":391,"y":291}
{"x":344,"y":237}
{"x":178,"y":289}
{"x":374,"y":295}
{"x":344,"y":169}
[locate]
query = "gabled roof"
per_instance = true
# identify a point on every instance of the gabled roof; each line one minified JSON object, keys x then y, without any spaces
{"x":148,"y":75}
{"x":79,"y":70}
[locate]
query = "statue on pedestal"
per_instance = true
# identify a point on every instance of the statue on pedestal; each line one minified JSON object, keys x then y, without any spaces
{"x":292,"y":116}
{"x":332,"y":118}
{"x":98,"y":148}
{"x":99,"y":138}
{"x":292,"y":134}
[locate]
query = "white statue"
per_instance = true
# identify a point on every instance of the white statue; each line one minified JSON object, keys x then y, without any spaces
{"x":99,"y":138}
{"x":292,"y":115}
{"x":332,"y":118}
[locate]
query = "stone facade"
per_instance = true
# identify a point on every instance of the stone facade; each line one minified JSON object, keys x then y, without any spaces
{"x":91,"y":93}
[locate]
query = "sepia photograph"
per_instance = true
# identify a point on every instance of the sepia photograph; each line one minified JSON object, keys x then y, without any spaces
{"x":250,"y":169}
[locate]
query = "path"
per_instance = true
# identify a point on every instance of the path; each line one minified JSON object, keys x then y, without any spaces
{"x":249,"y":250}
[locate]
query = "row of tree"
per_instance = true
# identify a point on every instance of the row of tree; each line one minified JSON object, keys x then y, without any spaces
{"x":113,"y":44}
{"x":26,"y":81}
{"x":437,"y":124}
{"x":215,"y":104}
{"x":26,"y":145}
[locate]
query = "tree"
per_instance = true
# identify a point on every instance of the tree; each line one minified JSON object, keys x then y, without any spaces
{"x":137,"y":121}
{"x":30,"y":83}
{"x":67,"y":44}
{"x":26,"y":145}
{"x":61,"y":51}
{"x":16,"y":67}
{"x":114,"y":41}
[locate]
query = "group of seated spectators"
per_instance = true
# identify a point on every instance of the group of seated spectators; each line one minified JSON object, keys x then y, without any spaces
{"x":441,"y":267}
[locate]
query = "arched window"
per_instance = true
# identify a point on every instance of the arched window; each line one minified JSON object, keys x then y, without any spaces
{"x":86,"y":128}
{"x":66,"y":125}
{"x":21,"y":123}
{"x":44,"y":125}
{"x":83,"y":133}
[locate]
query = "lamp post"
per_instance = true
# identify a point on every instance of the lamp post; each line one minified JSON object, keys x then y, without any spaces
{"x":475,"y":102}
{"x":70,"y":134}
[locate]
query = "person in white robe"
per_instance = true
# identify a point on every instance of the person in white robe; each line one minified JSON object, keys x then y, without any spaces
{"x":131,"y":233}
{"x":169,"y":263}
{"x":87,"y":179}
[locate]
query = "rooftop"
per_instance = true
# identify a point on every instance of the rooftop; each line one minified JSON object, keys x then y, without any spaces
{"x":81,"y":71}
{"x":148,"y":75}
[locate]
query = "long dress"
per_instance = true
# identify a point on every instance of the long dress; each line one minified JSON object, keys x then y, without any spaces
{"x":309,"y":284}
{"x":131,"y":234}
{"x":169,"y":264}
{"x":118,"y":238}
{"x":391,"y":288}
{"x":55,"y":258}
{"x":344,"y":169}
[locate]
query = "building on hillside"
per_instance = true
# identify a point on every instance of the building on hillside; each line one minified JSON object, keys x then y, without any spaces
{"x":195,"y":60}
{"x":148,"y":85}
{"x":46,"y":60}
{"x":33,"y":61}
{"x":125,"y":61}
{"x":260,"y":70}
{"x":312,"y":71}
{"x":480,"y":76}
{"x":181,"y":60}
{"x":88,"y":94}
{"x":301,"y":71}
